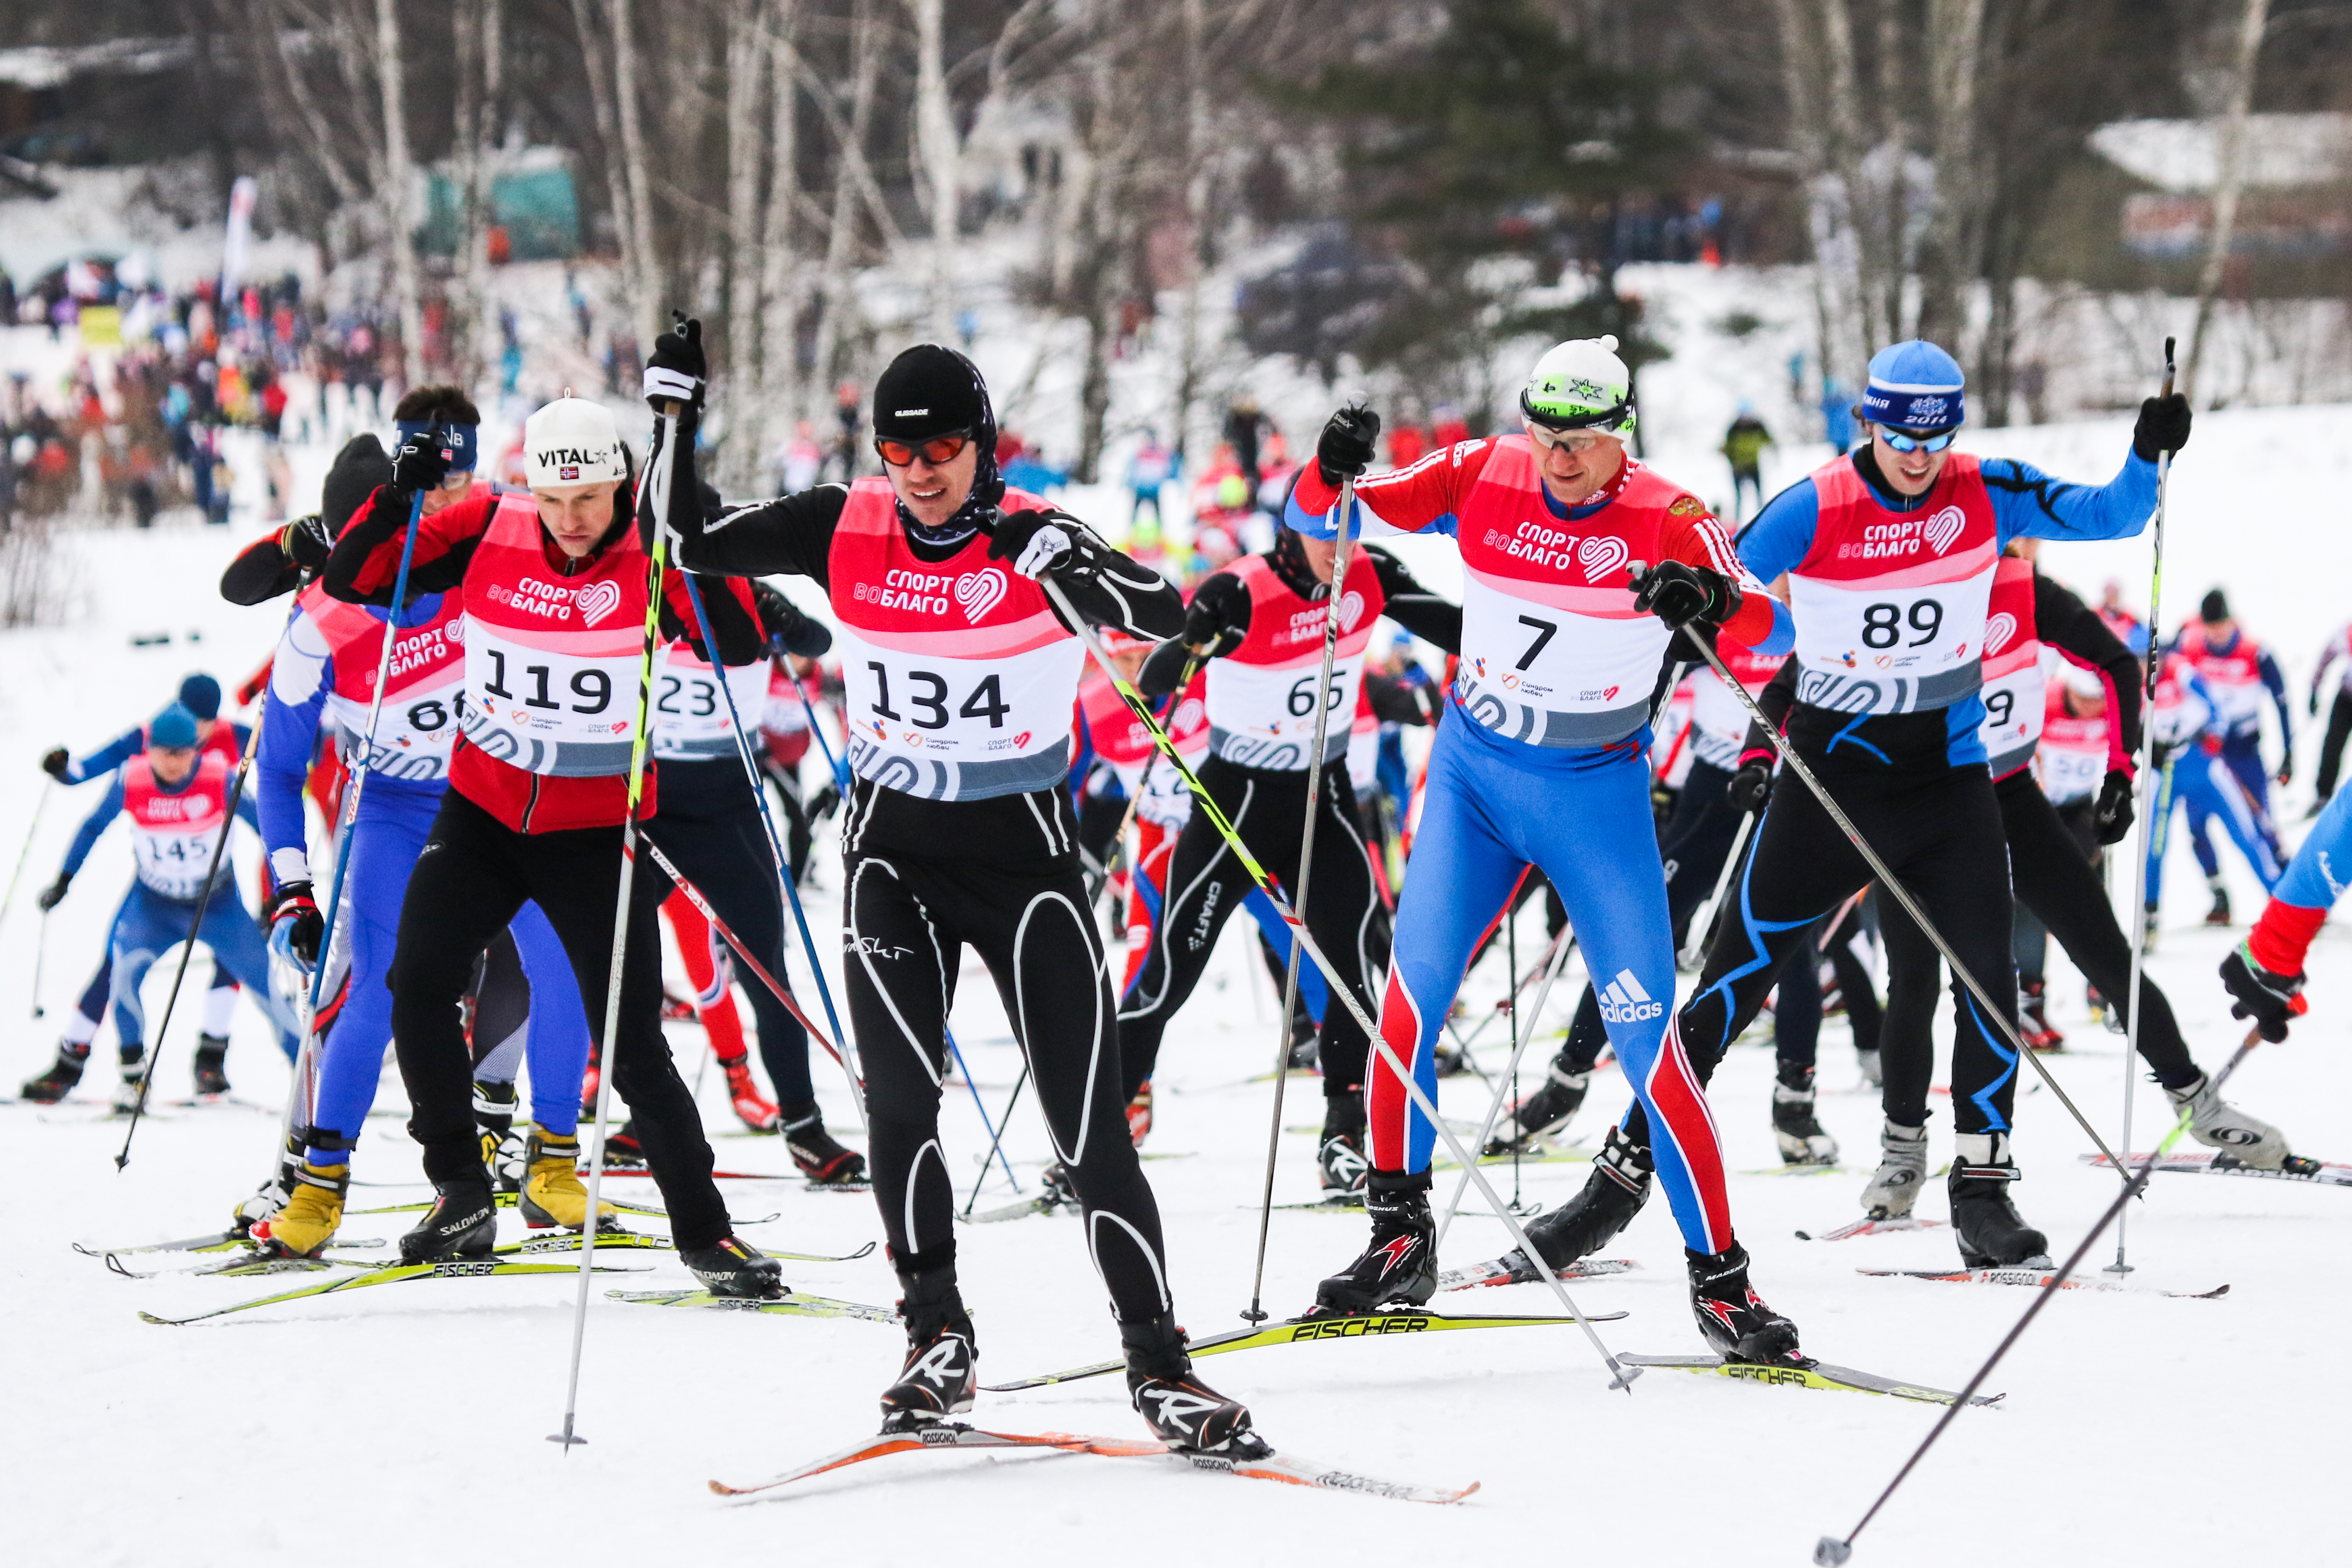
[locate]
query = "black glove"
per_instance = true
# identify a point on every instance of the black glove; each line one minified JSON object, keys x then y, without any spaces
{"x":2270,"y":1000}
{"x":420,"y":464}
{"x":675,"y":373}
{"x":824,"y":802}
{"x":786,"y":629}
{"x":53,"y":762}
{"x":304,"y":543}
{"x":2113,"y":815}
{"x":54,"y":893}
{"x":1678,"y":593}
{"x":1344,"y":450}
{"x":1751,"y":784}
{"x":2158,"y":753}
{"x":1217,"y":620}
{"x":1037,"y":541}
{"x":2163,"y":425}
{"x":292,"y":907}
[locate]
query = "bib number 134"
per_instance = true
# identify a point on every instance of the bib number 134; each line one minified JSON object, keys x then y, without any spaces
{"x":929,"y":696}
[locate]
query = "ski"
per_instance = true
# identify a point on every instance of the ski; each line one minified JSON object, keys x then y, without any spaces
{"x":2037,"y":1278}
{"x":1045,"y":1203}
{"x":790,"y":1304}
{"x":633,"y":1169}
{"x":218,"y":1241}
{"x":1871,"y":1227}
{"x":945,"y":1437}
{"x":251,"y":1264}
{"x":1806,"y":1374}
{"x":1499,"y":1271}
{"x":2296,"y":1167}
{"x":454,"y":1269}
{"x":507,"y":1201}
{"x":1804,"y":1170}
{"x":1299,"y":1331}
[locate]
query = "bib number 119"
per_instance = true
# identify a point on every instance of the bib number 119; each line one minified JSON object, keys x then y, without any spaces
{"x":593,"y":687}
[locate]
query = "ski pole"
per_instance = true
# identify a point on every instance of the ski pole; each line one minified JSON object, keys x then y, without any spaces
{"x":1518,"y":988}
{"x":2145,"y":787}
{"x":655,"y":567}
{"x":1886,"y":879}
{"x":775,"y":843}
{"x":995,"y":1134}
{"x":993,"y":1148}
{"x":840,"y":769}
{"x":1621,"y":1375}
{"x":40,"y":951}
{"x":776,"y":987}
{"x":1703,"y":922}
{"x":1502,"y":1085}
{"x":1830,"y":1550}
{"x":1333,"y":598}
{"x":40,"y":803}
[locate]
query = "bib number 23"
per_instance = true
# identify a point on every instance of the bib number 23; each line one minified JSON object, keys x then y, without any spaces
{"x":929,"y":697}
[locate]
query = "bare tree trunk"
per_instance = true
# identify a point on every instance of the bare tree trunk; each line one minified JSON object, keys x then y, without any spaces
{"x":865,"y":59}
{"x":608,"y":132}
{"x":1955,"y":41}
{"x":1196,"y":219}
{"x":941,"y":155}
{"x":1877,"y":270}
{"x":401,"y":246}
{"x":2228,"y":185}
{"x":780,"y":285}
{"x":747,"y":62}
{"x":646,"y":288}
{"x":482,"y":138}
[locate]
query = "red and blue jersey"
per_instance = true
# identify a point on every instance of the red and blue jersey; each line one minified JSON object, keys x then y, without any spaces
{"x":2237,"y":670}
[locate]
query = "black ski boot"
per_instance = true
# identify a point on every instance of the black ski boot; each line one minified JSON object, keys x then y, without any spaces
{"x":823,"y":1162}
{"x":1059,"y":1191}
{"x":1182,"y":1411}
{"x":58,"y":1081}
{"x":506,"y":1154}
{"x":1739,"y":1326}
{"x":1802,"y":1139}
{"x":1990,"y":1232}
{"x":1610,"y":1198}
{"x":1341,"y":1156}
{"x":1400,"y":1264}
{"x":942,"y":1368}
{"x":211,"y":1069}
{"x":733,"y":1267}
{"x":1545,"y":1111}
{"x":2219,"y":915}
{"x":464,"y":1223}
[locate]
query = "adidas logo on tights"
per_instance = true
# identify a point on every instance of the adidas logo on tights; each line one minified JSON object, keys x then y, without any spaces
{"x":1622,"y":1001}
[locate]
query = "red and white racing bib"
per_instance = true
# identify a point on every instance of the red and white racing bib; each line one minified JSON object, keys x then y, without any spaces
{"x":1262,"y":707}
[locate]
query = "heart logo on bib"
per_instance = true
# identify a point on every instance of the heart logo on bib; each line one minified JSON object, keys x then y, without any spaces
{"x":1351,"y":610}
{"x":598,"y":600}
{"x":456,"y":630}
{"x":1601,"y":557}
{"x":1998,"y":630}
{"x":978,"y":592}
{"x":1945,"y":527}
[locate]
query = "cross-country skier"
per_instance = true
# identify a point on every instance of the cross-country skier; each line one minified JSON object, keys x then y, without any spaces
{"x":200,"y":695}
{"x":175,"y":793}
{"x":322,"y":677}
{"x":556,"y":608}
{"x":2197,"y":776}
{"x":960,"y":677}
{"x":1259,"y":626}
{"x":1580,"y":565}
{"x":2332,"y":681}
{"x":2237,"y":671}
{"x":1892,"y":552}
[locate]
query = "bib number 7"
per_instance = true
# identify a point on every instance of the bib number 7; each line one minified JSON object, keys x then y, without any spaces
{"x":930,"y":699}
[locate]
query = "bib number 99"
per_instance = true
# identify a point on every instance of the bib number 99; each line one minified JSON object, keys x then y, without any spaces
{"x":1883,"y":625}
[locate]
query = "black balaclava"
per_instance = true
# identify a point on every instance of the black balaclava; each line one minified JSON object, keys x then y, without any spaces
{"x":933,"y":390}
{"x":1289,"y":558}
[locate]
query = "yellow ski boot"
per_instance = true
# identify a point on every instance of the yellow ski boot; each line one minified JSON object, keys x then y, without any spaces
{"x":308,"y":1221}
{"x":552,"y":1193}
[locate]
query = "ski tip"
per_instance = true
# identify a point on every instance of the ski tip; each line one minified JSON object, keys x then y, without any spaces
{"x":1831,"y":1552}
{"x":720,"y":1489}
{"x":167,"y":1322}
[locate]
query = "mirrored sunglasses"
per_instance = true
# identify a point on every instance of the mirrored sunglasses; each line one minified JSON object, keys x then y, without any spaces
{"x":938,"y":449}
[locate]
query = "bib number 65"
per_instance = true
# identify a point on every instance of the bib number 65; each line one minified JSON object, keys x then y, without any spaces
{"x":1301,"y":702}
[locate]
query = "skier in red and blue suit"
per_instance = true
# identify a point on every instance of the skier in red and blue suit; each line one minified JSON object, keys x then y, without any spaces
{"x":1578,"y":566}
{"x":2237,"y":671}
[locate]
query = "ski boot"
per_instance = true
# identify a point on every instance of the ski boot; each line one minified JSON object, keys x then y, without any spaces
{"x":58,"y":1081}
{"x":1138,"y":1115}
{"x":1739,"y":1326}
{"x":1802,"y":1139}
{"x":1182,"y":1412}
{"x":1401,"y":1263}
{"x":210,"y":1073}
{"x":823,"y":1162}
{"x":1546,"y":1112}
{"x":622,"y":1148}
{"x":552,"y":1193}
{"x":733,"y":1267}
{"x":1606,"y":1204}
{"x":2219,"y":915}
{"x":464,"y":1223}
{"x":1990,"y":1232}
{"x":1894,"y":1186}
{"x":135,"y":1077}
{"x":272,"y":1195}
{"x":1055,"y":1189}
{"x":308,"y":1221}
{"x":752,"y":1108}
{"x":941,"y":1371}
{"x":2218,"y":1124}
{"x":2033,"y":1017}
{"x":1340,"y":1158}
{"x":1872,"y":1073}
{"x":506,"y":1154}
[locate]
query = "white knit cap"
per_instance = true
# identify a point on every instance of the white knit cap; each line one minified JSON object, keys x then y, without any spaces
{"x":571,"y":441}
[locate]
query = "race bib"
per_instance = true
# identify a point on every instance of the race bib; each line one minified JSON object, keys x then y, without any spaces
{"x":1553,"y":676}
{"x":558,"y":714}
{"x":1873,"y":648}
{"x":1263,"y":716}
{"x":174,"y":864}
{"x":690,"y":717}
{"x":958,"y":729}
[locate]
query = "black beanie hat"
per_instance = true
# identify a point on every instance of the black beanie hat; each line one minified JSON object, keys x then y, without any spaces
{"x":930,"y":391}
{"x":2214,"y":608}
{"x":360,"y":467}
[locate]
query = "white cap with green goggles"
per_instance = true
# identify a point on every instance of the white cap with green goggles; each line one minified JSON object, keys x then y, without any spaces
{"x":1580,"y":385}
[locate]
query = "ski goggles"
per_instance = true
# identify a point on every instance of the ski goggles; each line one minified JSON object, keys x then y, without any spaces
{"x":1577,"y":442}
{"x":1935,"y":443}
{"x":934,"y":451}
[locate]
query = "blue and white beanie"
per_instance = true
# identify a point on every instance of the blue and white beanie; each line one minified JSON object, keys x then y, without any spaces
{"x":1914,"y":387}
{"x":457,"y":439}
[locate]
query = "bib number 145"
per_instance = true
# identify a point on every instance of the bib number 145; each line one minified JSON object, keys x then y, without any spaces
{"x":929,"y":696}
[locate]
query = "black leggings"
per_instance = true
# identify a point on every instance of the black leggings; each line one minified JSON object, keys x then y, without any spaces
{"x":1937,"y":827}
{"x":797,"y":835}
{"x":709,"y":826}
{"x":2331,"y":750}
{"x":471,"y":877}
{"x":908,"y":919}
{"x":2057,"y":884}
{"x":1206,"y":885}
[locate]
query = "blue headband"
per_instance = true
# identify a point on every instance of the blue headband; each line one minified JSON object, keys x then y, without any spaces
{"x":458,"y":438}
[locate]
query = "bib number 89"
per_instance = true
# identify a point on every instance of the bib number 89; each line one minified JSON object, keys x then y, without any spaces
{"x":1883,"y":625}
{"x":1999,"y":706}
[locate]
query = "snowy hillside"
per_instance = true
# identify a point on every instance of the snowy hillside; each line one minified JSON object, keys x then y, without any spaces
{"x":378,"y":1426}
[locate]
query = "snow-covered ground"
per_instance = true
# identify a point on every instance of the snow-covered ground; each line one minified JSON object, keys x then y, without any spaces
{"x":375,"y":1425}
